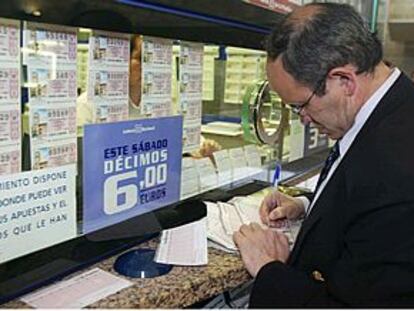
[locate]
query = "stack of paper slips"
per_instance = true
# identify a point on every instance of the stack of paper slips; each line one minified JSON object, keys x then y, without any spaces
{"x":185,"y":245}
{"x":223,"y":219}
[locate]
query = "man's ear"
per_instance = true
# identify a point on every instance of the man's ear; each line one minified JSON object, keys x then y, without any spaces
{"x":347,"y":78}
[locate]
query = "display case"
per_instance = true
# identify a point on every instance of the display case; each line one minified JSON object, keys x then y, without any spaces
{"x":120,"y":118}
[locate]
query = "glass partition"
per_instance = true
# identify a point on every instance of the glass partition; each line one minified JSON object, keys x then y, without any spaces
{"x":203,"y":115}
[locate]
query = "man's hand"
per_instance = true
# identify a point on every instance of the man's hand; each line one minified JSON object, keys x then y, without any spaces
{"x":207,"y":148}
{"x":259,"y":246}
{"x":277,"y":206}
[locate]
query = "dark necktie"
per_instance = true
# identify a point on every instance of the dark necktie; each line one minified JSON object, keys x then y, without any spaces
{"x":333,"y":155}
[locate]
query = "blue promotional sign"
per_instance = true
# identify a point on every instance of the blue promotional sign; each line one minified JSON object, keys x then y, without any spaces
{"x":130,"y":168}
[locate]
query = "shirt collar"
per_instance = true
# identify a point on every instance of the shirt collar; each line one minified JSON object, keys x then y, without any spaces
{"x":365,"y":111}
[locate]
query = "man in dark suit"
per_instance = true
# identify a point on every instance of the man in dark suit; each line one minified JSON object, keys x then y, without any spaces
{"x":356,"y":244}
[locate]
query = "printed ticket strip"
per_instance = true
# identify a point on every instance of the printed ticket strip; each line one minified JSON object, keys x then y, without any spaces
{"x":190,"y":93}
{"x":50,"y":55}
{"x":10,"y":116}
{"x":156,"y":71}
{"x":108,"y":72}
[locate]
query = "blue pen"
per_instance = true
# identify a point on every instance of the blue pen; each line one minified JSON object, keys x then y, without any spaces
{"x":276,"y":175}
{"x":287,"y":230}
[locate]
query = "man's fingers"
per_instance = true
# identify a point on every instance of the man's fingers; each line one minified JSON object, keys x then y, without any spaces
{"x":278,"y":213}
{"x":250,"y":228}
{"x":283,"y":239}
{"x":255,"y":226}
{"x":279,"y":223}
{"x":270,"y":202}
{"x":264,"y":211}
{"x":245,"y":232}
{"x":244,"y":229}
{"x":275,"y":223}
{"x":282,"y":246}
{"x":258,"y":246}
{"x":237,"y":237}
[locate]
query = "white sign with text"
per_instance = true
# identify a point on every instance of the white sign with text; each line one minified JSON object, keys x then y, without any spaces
{"x":37,"y":210}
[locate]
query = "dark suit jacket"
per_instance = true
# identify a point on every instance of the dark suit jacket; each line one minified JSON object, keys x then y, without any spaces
{"x":356,"y":247}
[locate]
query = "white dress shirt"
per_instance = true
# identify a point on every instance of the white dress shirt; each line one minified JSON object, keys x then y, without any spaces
{"x":346,"y":141}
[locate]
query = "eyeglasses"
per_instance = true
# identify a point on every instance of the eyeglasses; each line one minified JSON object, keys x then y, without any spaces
{"x":297,"y":109}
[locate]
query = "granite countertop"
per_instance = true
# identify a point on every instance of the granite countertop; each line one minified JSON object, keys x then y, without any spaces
{"x":182,"y":287}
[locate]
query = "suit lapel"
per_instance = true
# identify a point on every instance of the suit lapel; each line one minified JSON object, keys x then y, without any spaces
{"x":388,"y":103}
{"x":325,"y":199}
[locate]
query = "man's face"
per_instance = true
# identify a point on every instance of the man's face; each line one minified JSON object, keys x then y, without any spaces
{"x":327,"y":112}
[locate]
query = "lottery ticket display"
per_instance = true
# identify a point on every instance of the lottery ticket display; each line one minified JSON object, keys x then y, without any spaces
{"x":48,"y":123}
{"x":9,"y":83}
{"x":10,"y":156}
{"x":51,"y":86}
{"x":190,"y":93}
{"x":9,"y":40}
{"x":108,"y":74}
{"x":9,"y":125}
{"x":10,"y":136}
{"x":113,"y":111}
{"x":49,"y":52}
{"x":53,"y":154}
{"x":156,"y":77}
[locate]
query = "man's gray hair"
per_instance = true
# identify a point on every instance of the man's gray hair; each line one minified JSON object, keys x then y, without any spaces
{"x":332,"y":35}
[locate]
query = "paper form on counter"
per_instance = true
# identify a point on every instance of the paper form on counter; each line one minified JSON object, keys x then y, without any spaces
{"x":248,"y":208}
{"x":230,"y":218}
{"x":223,"y":219}
{"x":77,"y":292}
{"x":185,"y":245}
{"x":216,"y":231}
